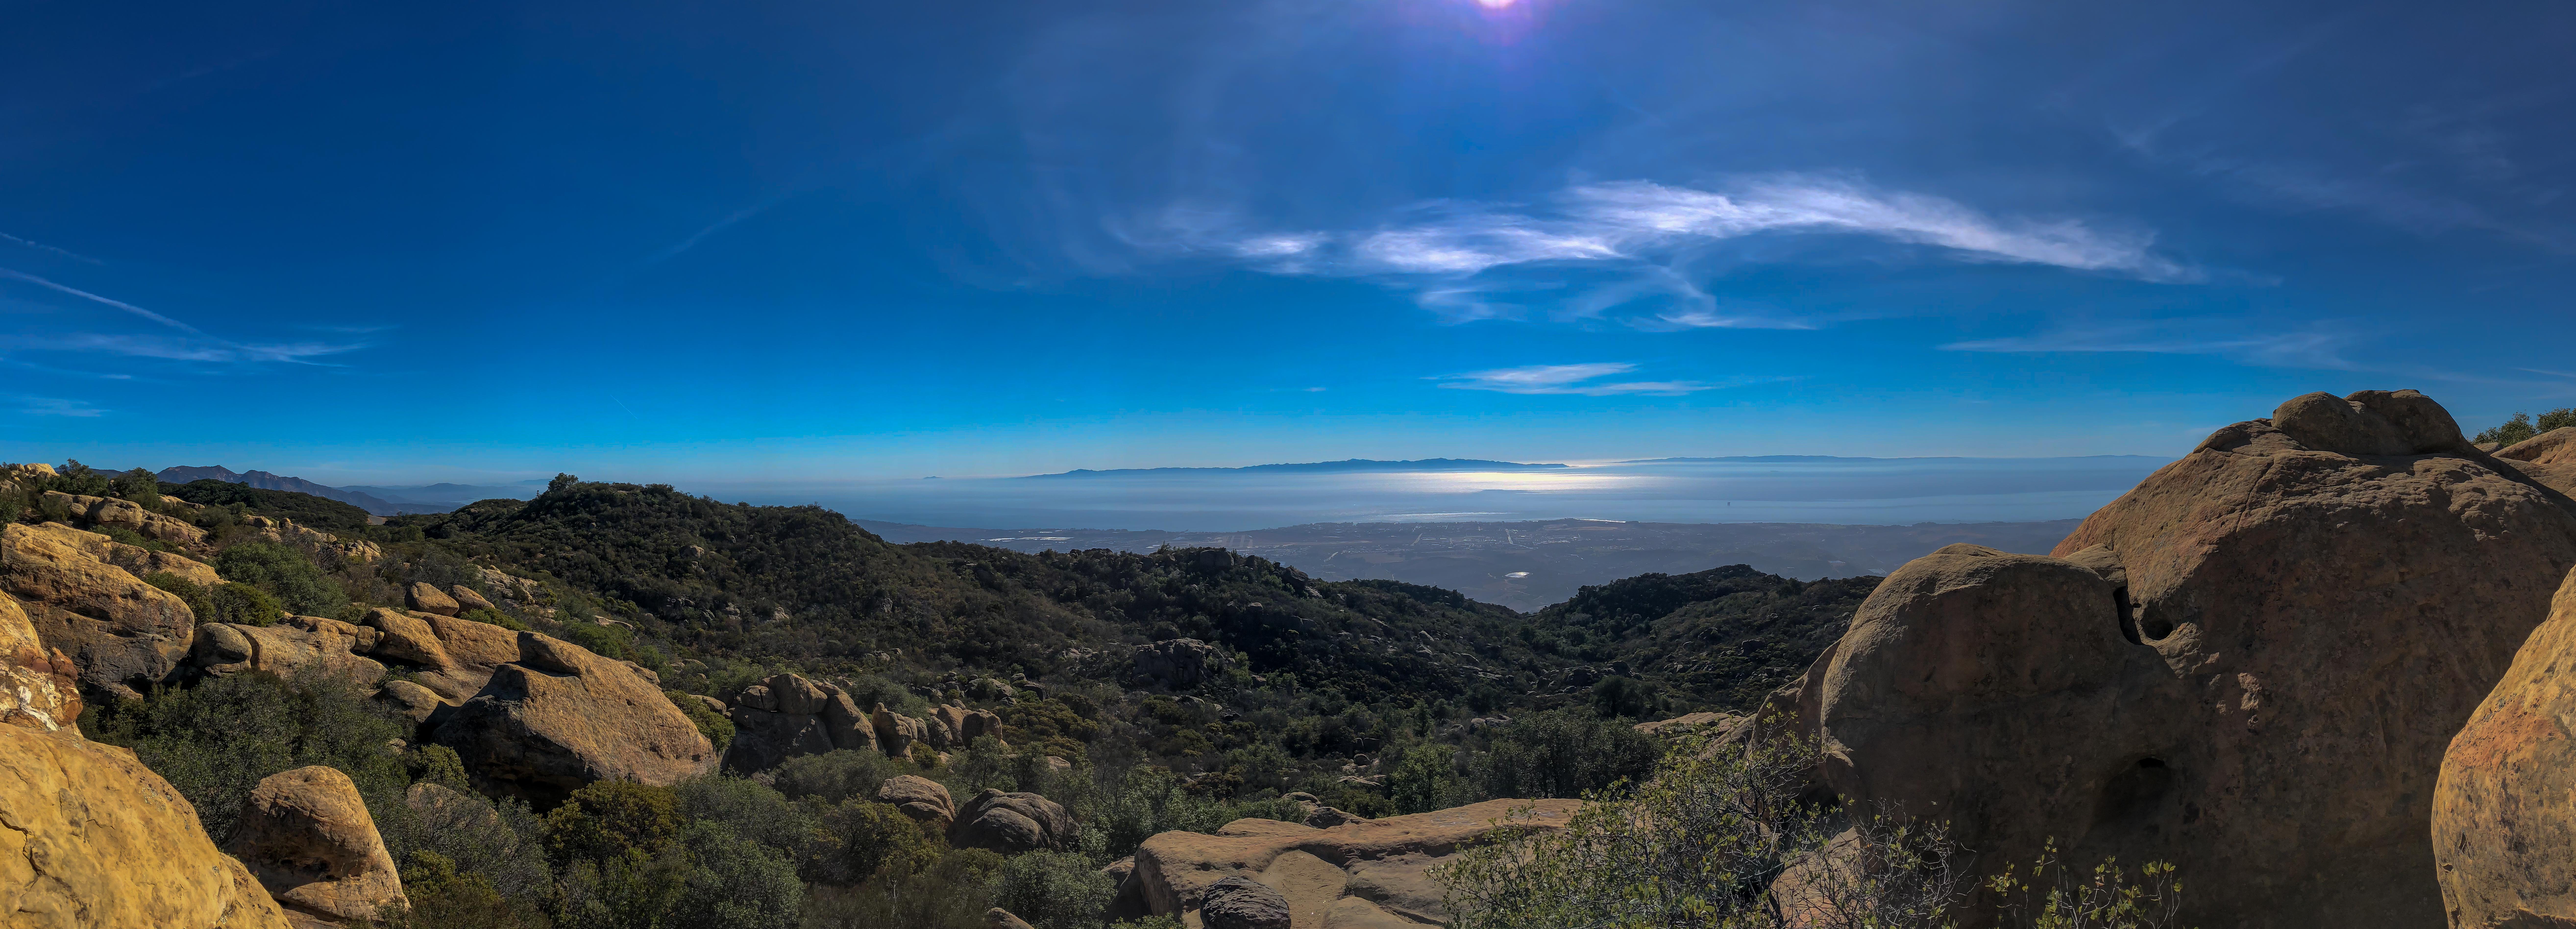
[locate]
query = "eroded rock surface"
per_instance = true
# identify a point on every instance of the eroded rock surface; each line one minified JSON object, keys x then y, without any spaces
{"x":2249,"y":665}
{"x":1364,"y":874}
{"x":124,"y":634}
{"x":1011,"y":823}
{"x":921,"y":798}
{"x":560,"y":717}
{"x":2504,"y":815}
{"x":39,"y":687}
{"x":92,"y":839}
{"x":306,"y":835}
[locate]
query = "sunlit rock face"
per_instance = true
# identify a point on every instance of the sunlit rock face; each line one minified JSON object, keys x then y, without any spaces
{"x":2250,"y":665}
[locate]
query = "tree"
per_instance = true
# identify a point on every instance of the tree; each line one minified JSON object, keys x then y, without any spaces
{"x":2522,"y":426}
{"x":1617,"y":697}
{"x":1563,"y":753}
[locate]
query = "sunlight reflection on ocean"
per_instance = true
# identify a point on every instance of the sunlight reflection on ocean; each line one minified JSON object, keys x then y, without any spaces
{"x":1804,"y":490}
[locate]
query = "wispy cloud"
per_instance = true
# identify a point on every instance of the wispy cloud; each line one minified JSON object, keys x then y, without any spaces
{"x":180,"y":349}
{"x":104,"y":301}
{"x":48,"y":249}
{"x":1579,"y":379}
{"x":55,"y":406}
{"x":1642,"y":232}
{"x":2309,"y":348}
{"x":193,"y":344}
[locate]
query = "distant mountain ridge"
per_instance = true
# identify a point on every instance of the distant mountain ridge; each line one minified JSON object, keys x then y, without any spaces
{"x":1787,"y":458}
{"x":266,"y":481}
{"x":1346,"y":466}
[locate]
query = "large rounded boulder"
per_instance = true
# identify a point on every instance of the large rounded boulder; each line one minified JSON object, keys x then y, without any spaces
{"x":92,"y":839}
{"x":2250,"y":665}
{"x":2504,"y":815}
{"x":306,"y":835}
{"x":561,"y":717}
{"x":1011,"y":823}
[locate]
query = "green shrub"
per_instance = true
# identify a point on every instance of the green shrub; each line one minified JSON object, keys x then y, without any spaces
{"x":1562,"y":753}
{"x":443,"y":897}
{"x":242,"y":604}
{"x":503,"y":620}
{"x":609,"y":641}
{"x":605,"y":820}
{"x":1054,"y":890}
{"x":862,"y":839}
{"x":188,"y":592}
{"x":2521,"y":426}
{"x":713,"y":725}
{"x":214,"y":742}
{"x":295,"y":579}
{"x":837,"y":775}
{"x":1426,"y":778}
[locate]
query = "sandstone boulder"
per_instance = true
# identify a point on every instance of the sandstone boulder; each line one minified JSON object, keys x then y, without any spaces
{"x":561,"y":717}
{"x":467,"y":599}
{"x":123,"y":633}
{"x":414,"y":702}
{"x":39,"y":686}
{"x":1243,"y":903}
{"x":1011,"y":823}
{"x":795,"y":695}
{"x":126,"y":514}
{"x":895,"y":731}
{"x":295,"y":645}
{"x":306,"y":835}
{"x":999,"y":918}
{"x":921,"y":798}
{"x":2557,"y":446}
{"x":1364,"y":874}
{"x":846,"y":726}
{"x":427,"y":599}
{"x":762,"y":739}
{"x":2504,"y":814}
{"x":1179,"y":663}
{"x":95,"y":840}
{"x":2248,"y":665}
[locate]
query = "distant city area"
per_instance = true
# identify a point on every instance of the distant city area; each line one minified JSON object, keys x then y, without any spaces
{"x":1527,"y":565}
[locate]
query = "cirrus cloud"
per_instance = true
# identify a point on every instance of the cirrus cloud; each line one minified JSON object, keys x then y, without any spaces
{"x":1596,"y":247}
{"x":1577,"y":379}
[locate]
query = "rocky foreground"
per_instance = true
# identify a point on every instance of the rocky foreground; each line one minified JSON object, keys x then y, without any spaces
{"x":2322,"y":663}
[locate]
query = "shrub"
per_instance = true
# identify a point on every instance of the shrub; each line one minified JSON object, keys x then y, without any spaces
{"x":286,"y":572}
{"x":503,"y":620}
{"x":241,"y":603}
{"x":713,"y":725}
{"x":1562,"y":753}
{"x":1426,"y":779}
{"x":2057,"y":897}
{"x":603,"y":821}
{"x":1698,"y":847}
{"x":1054,"y":890}
{"x":188,"y":592}
{"x":2521,"y":426}
{"x":443,"y":897}
{"x":837,"y":775}
{"x":864,"y":839}
{"x":609,"y":641}
{"x":214,"y":742}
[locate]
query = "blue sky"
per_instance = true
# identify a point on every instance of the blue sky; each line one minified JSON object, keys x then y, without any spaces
{"x":786,"y":241}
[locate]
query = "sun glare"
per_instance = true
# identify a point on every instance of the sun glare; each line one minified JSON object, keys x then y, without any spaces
{"x":1494,"y":4}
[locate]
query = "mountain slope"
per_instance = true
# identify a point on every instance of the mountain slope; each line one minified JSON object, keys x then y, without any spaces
{"x":1723,"y":637}
{"x":266,"y":481}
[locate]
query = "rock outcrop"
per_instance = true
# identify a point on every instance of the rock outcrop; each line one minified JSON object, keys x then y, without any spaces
{"x":92,"y":839}
{"x":306,"y":836}
{"x":1367,"y":873}
{"x":39,"y":687}
{"x":427,"y":599}
{"x":2504,"y":814}
{"x":1011,"y":823}
{"x":126,"y":514}
{"x":1179,"y":663}
{"x":2249,"y":665}
{"x":124,"y":634}
{"x":787,"y":716}
{"x":2557,"y":446}
{"x":1243,"y":903}
{"x":921,"y":798}
{"x":559,"y":717}
{"x":295,"y":644}
{"x":895,"y":731}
